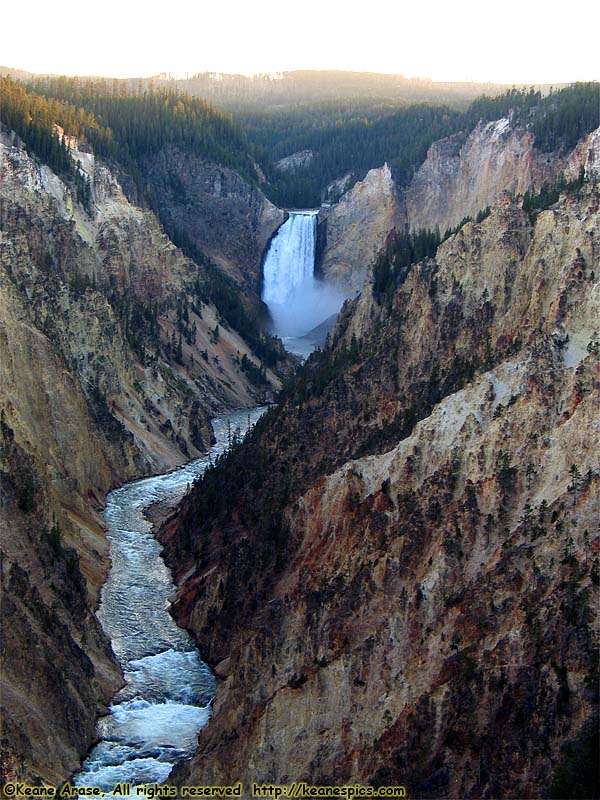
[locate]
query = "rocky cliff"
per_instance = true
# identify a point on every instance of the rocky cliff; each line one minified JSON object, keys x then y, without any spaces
{"x":405,"y":563}
{"x":111,"y":366}
{"x":356,"y":228}
{"x":224,"y":215}
{"x":464,"y":174}
{"x":461,"y":176}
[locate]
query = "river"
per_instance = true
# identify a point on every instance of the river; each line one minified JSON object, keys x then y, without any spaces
{"x":155,"y":719}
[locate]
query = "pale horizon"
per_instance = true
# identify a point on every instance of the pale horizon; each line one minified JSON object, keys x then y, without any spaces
{"x":462,"y":42}
{"x":165,"y":74}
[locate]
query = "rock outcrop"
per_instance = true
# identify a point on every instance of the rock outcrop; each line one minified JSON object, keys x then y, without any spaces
{"x":110,"y":368}
{"x":357,"y":226}
{"x":295,"y":161}
{"x":406,"y":562}
{"x":463,"y":175}
{"x":587,"y":155}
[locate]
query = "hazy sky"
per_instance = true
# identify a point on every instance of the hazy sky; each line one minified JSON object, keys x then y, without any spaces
{"x":507,"y":41}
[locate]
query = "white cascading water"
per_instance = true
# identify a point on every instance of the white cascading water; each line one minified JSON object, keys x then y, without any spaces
{"x":155,"y":718}
{"x":297,"y":301}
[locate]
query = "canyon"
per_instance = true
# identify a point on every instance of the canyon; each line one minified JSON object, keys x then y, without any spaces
{"x":401,"y":559}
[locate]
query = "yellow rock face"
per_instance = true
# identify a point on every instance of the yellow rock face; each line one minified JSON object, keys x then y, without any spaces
{"x":82,"y":410}
{"x":430,"y":619}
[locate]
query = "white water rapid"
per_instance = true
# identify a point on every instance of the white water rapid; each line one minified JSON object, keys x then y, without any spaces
{"x":298,"y":302}
{"x":155,"y":719}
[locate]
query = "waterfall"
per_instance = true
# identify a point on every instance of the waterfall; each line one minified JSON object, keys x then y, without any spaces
{"x":290,"y":261}
{"x":297,"y":301}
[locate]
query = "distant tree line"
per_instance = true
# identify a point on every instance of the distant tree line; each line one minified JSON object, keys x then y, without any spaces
{"x":307,"y":88}
{"x":344,"y":142}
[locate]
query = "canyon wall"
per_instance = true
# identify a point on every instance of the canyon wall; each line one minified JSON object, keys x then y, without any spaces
{"x":461,"y":176}
{"x":110,"y":367}
{"x":356,"y":228}
{"x":405,"y":561}
{"x":222,"y":213}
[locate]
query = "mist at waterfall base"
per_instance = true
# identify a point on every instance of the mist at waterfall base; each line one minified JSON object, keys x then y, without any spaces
{"x":298,"y":302}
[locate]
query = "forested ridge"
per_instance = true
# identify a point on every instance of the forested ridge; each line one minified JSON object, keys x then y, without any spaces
{"x":143,"y":120}
{"x":34,"y":119}
{"x":120,"y":124}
